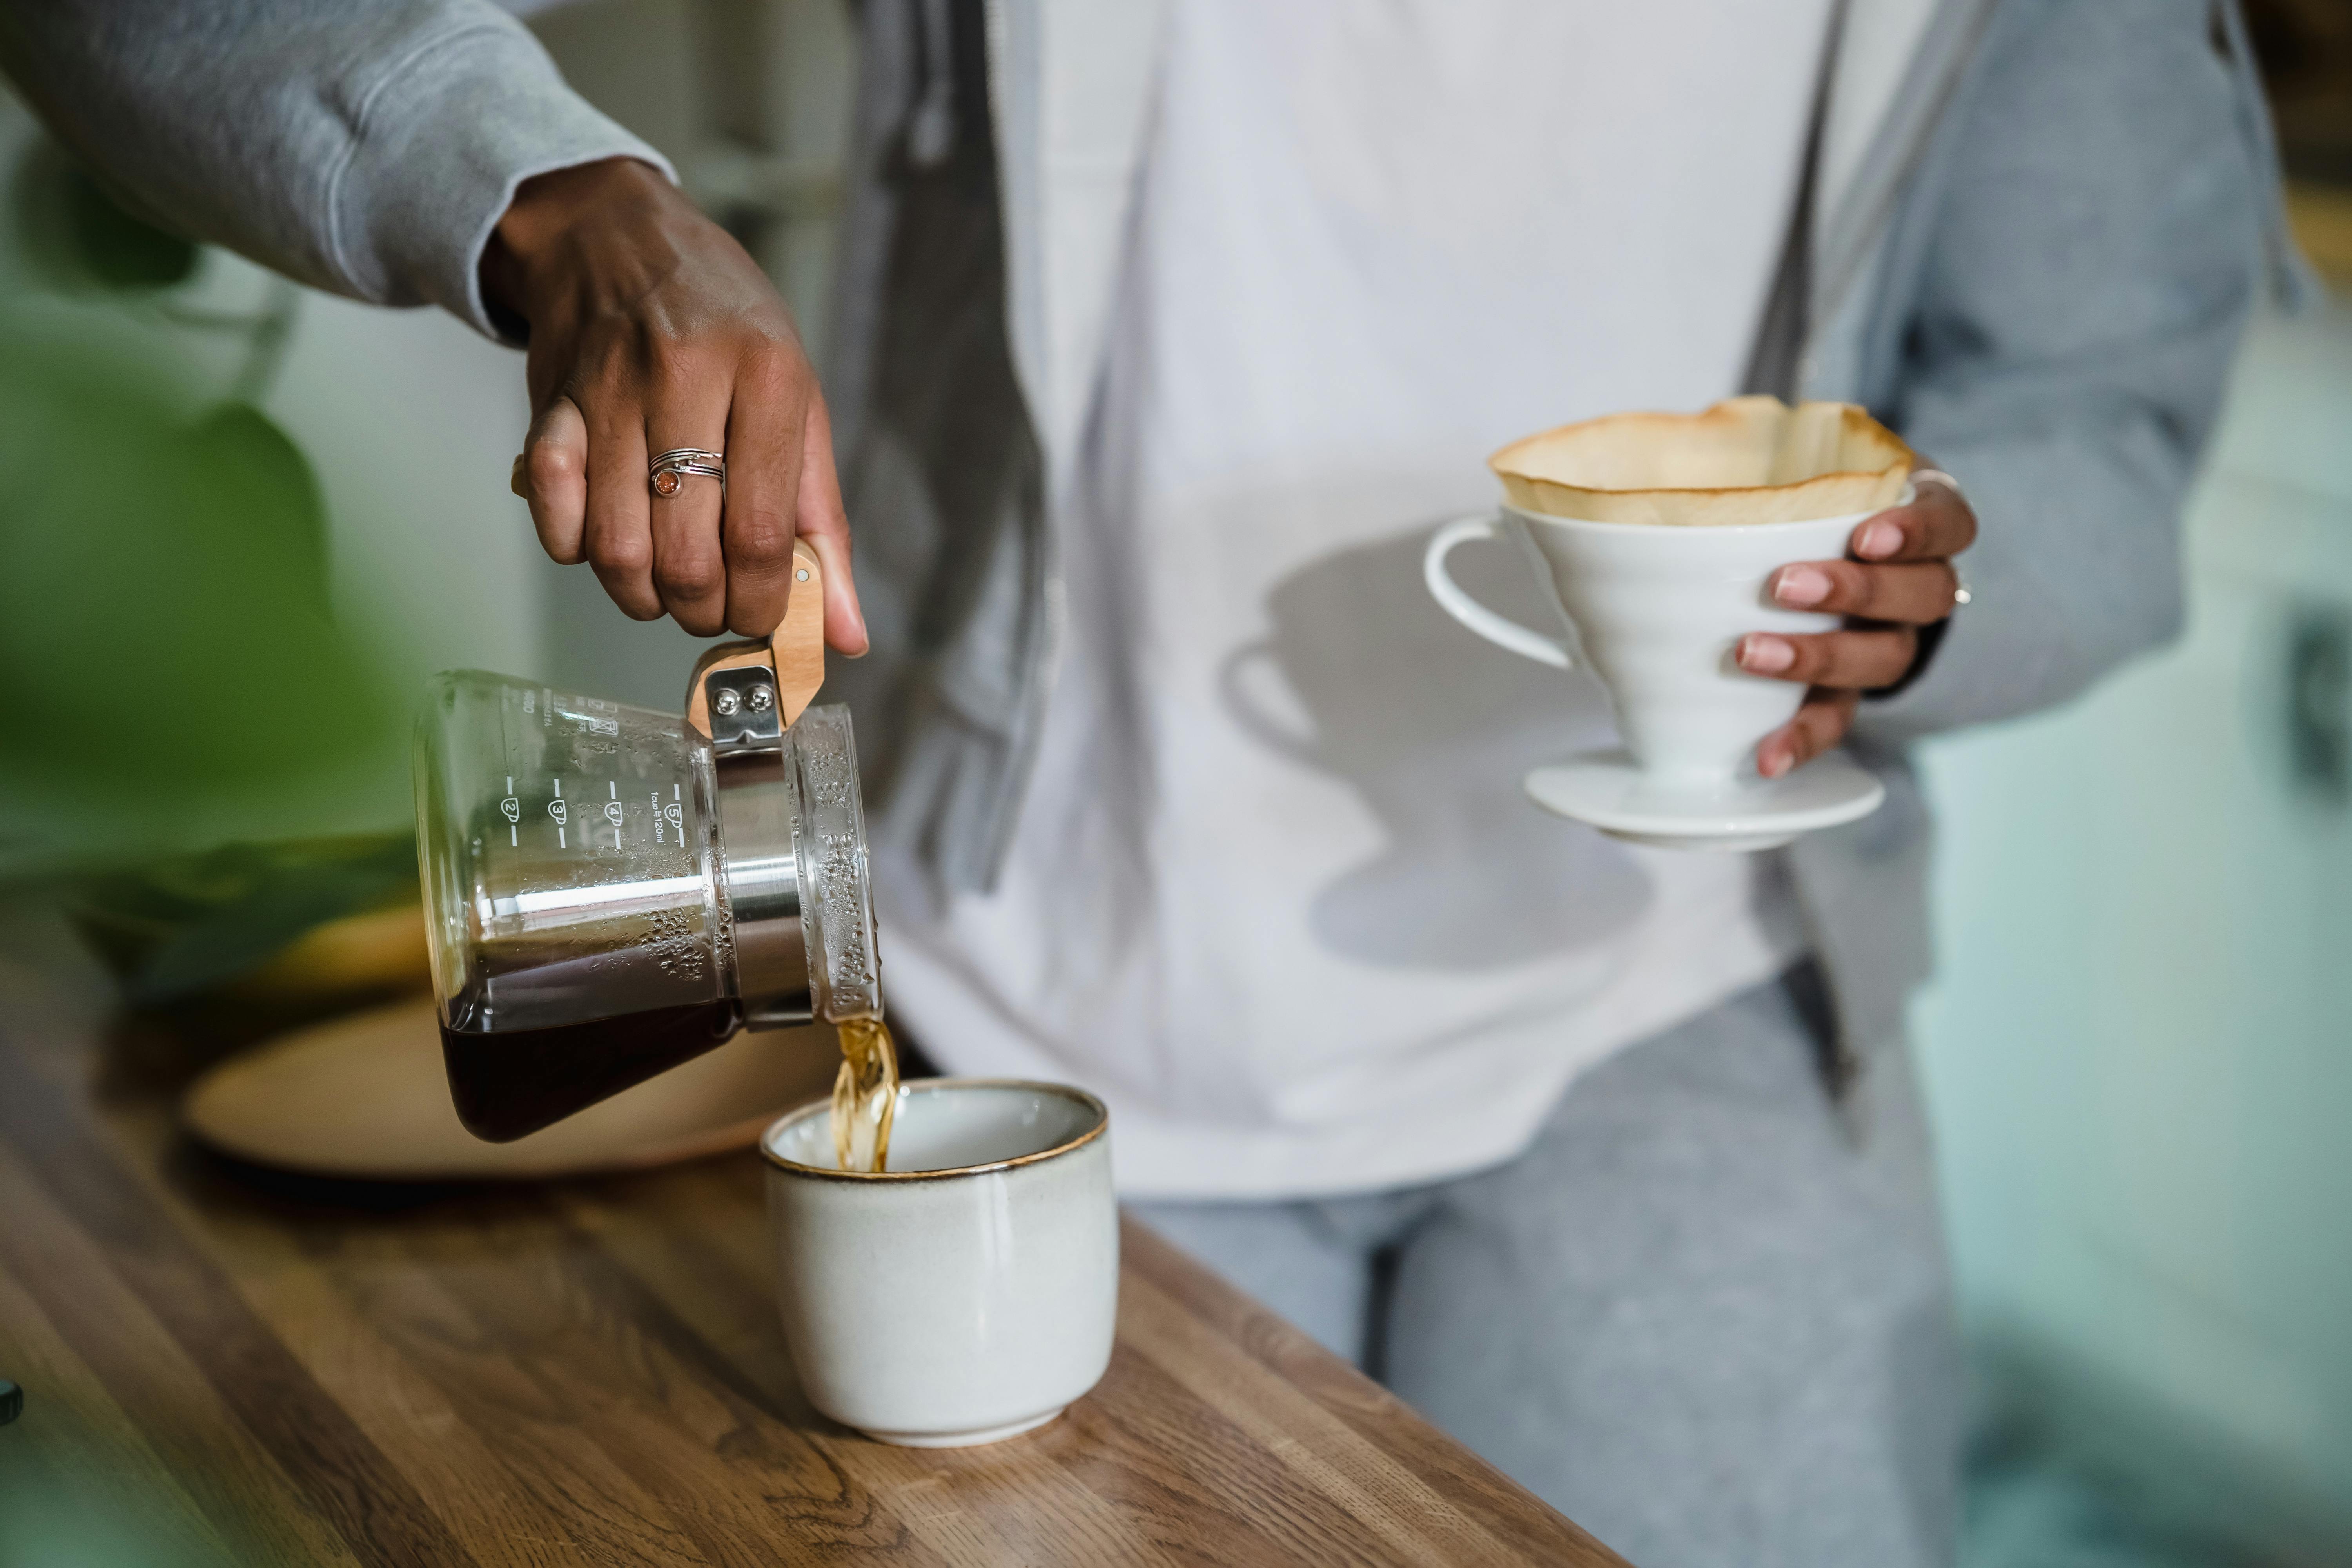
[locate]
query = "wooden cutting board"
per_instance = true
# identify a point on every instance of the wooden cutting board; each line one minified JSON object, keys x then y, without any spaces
{"x":365,"y":1097}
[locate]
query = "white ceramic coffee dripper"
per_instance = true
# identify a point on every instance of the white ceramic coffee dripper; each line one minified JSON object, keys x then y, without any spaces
{"x":1657,"y":613}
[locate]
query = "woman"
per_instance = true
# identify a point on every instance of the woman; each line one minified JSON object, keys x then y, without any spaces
{"x":1167,"y":332}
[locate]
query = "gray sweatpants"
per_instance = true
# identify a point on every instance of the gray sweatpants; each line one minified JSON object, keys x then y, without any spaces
{"x":1695,"y":1316}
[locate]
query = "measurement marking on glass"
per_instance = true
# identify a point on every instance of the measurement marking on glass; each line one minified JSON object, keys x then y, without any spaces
{"x":615,"y":790}
{"x":560,"y":844}
{"x":512,"y":834}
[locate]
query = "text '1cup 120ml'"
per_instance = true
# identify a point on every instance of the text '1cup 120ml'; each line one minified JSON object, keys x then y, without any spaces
{"x":612,"y":890}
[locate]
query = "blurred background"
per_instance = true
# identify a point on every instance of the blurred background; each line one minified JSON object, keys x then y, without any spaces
{"x":2140,"y":1045}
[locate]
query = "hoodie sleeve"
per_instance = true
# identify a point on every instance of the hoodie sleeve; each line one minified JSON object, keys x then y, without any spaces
{"x":362,"y":146}
{"x":2087,"y":269}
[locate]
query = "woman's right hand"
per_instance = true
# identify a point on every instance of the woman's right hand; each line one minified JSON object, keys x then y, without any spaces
{"x":651,"y":329}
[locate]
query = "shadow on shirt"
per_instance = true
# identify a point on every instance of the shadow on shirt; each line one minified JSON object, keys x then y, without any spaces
{"x":1364,"y":678}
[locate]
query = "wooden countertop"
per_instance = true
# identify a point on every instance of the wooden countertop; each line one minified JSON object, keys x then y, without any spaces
{"x":223,"y":1366}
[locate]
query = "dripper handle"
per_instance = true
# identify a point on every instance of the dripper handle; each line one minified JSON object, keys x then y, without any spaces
{"x":1500,"y":630}
{"x":795,"y":650}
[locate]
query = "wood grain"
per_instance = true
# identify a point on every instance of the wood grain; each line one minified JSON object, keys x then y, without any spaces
{"x":797,"y":644}
{"x":794,"y":651}
{"x":226,"y":1366}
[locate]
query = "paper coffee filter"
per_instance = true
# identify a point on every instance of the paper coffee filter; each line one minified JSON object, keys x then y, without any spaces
{"x":1745,"y":460}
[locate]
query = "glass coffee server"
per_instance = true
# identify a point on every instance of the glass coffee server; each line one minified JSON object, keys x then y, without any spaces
{"x":611,"y":891}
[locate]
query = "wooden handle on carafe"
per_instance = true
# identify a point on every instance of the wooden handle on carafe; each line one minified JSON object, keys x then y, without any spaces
{"x":795,"y":650}
{"x":798,"y":644}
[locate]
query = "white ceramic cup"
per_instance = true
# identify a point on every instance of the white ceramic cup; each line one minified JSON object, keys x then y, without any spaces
{"x":1657,"y":613}
{"x":968,"y":1292}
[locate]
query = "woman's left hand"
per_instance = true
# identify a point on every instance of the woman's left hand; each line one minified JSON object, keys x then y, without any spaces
{"x":1897,"y":578}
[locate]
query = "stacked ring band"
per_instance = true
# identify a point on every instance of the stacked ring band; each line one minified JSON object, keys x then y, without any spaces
{"x":1937,"y":476}
{"x":1961,"y":594}
{"x":667,"y":474}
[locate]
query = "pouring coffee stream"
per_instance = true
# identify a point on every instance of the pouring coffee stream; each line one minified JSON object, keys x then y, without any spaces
{"x":611,"y":891}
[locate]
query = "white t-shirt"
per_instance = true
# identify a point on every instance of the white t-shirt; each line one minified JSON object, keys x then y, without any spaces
{"x":1276,"y":893}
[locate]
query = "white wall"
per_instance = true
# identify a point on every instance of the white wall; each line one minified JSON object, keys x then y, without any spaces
{"x":413,"y":420}
{"x":2139,"y":1047}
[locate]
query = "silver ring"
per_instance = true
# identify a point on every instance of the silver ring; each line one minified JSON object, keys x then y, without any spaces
{"x":1961,"y":594}
{"x":667,"y":474}
{"x":1941,"y":477}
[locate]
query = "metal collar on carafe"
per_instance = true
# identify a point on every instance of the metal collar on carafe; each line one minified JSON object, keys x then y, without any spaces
{"x":757,"y":813}
{"x":792,"y":831}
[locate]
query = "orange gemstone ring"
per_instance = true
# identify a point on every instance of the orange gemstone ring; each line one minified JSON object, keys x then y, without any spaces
{"x":668,"y":472}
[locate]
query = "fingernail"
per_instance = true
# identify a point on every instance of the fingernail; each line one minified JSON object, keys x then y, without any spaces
{"x":1801,"y":585}
{"x":1773,"y":763}
{"x":1766,"y":654}
{"x":1878,"y":541}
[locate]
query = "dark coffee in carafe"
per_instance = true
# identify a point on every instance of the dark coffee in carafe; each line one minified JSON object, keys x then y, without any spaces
{"x":509,"y":1082}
